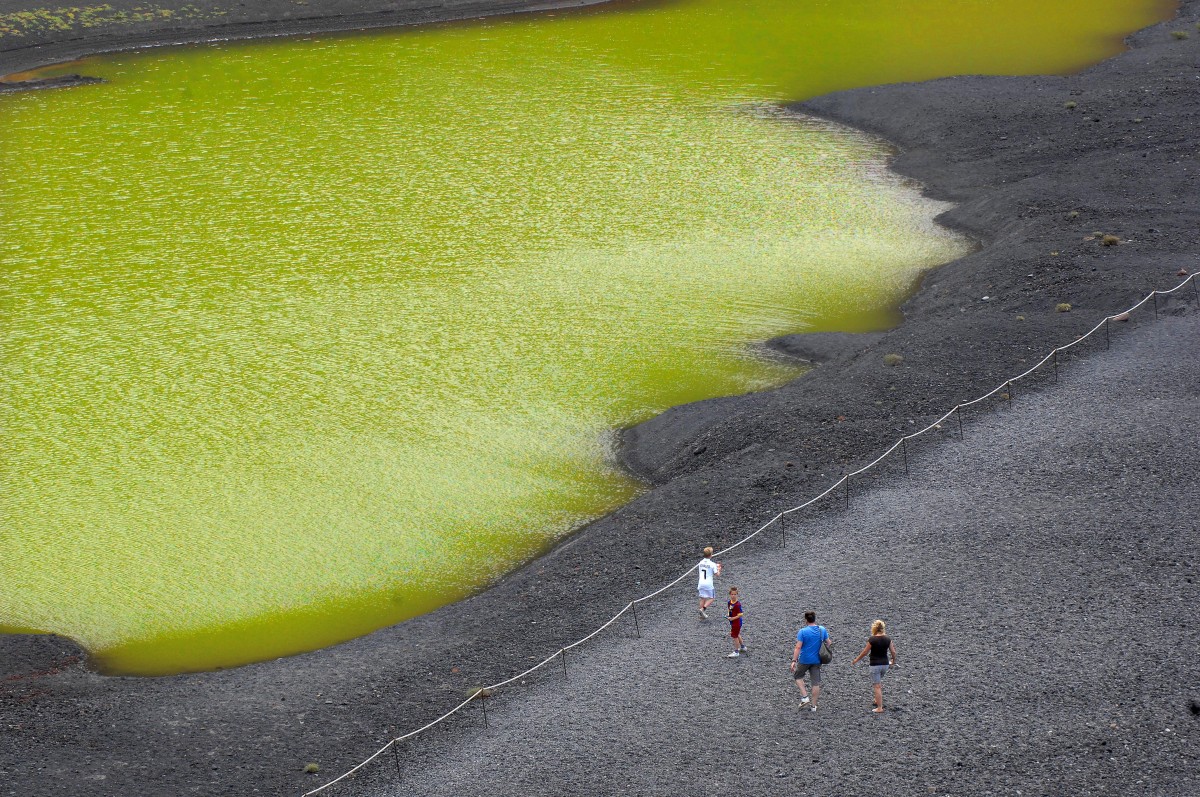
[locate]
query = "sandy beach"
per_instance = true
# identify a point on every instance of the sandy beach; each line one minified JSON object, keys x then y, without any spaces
{"x":1032,"y":180}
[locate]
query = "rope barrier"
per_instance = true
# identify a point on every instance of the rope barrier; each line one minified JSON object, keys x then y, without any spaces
{"x":598,"y":630}
{"x":484,"y":692}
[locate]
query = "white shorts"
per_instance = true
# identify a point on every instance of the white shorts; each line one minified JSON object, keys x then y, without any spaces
{"x":706,"y":592}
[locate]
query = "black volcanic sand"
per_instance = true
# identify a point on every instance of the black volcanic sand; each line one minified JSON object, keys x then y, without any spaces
{"x":1031,"y":177}
{"x":1037,"y":587}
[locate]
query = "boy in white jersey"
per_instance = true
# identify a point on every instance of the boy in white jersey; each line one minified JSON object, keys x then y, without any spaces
{"x":708,"y":570}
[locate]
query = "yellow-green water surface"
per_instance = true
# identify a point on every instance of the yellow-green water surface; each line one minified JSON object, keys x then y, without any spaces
{"x":303,"y":338}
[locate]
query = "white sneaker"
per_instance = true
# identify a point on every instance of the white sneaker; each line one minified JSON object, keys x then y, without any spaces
{"x":803,"y":702}
{"x":704,"y":614}
{"x":733,"y":655}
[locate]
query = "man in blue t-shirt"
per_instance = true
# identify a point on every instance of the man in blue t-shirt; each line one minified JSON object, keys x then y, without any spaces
{"x":806,"y":658}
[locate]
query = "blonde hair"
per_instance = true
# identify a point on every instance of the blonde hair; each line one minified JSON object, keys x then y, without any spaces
{"x":878,"y":627}
{"x":708,"y":551}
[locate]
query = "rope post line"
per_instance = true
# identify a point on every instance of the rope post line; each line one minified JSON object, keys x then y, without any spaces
{"x":988,"y":397}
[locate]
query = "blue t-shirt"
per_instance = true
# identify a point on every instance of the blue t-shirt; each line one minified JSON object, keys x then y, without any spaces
{"x":810,"y":637}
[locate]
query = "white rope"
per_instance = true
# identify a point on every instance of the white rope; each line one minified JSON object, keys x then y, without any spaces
{"x":1094,"y":329}
{"x":381,"y":750}
{"x":598,"y":630}
{"x":347,"y":774}
{"x":661,"y":590}
{"x":1007,"y":384}
{"x":748,"y":537}
{"x":812,"y":501}
{"x":541,"y":663}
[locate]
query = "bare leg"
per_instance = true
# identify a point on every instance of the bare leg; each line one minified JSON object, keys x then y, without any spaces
{"x":802,"y":688}
{"x":878,"y":698}
{"x":816,"y":694}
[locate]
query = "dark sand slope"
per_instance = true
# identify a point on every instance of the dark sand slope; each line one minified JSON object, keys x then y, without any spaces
{"x":53,"y":37}
{"x":1006,"y":149}
{"x":1038,"y":579}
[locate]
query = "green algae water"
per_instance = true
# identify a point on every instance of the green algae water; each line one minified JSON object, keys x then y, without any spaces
{"x":306,"y":337}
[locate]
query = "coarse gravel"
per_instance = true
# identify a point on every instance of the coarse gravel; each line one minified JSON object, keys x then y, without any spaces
{"x":1038,"y":577}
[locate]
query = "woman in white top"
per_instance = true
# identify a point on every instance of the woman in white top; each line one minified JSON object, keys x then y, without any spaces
{"x":707,"y":589}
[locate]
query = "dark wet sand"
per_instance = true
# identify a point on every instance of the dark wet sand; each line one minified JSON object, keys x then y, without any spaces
{"x":1017,"y":162}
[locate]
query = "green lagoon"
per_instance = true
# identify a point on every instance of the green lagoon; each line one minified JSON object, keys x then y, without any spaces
{"x":306,"y":337}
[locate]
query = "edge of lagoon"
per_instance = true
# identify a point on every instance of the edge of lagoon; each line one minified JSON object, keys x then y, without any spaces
{"x":1006,"y":150}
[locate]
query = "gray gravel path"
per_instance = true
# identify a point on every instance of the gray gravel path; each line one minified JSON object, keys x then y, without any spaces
{"x":1038,"y":578}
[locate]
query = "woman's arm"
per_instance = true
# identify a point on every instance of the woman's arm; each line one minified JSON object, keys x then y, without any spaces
{"x":866,"y":649}
{"x":893,"y":654}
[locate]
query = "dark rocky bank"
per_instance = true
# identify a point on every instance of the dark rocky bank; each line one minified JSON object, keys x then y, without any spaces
{"x":1031,"y":177}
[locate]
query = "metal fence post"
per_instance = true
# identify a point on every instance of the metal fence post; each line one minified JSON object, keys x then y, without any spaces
{"x":563,"y":652}
{"x":483,"y":706}
{"x":904,"y":451}
{"x":1010,"y":395}
{"x":1107,"y":339}
{"x":396,"y":756}
{"x":1155,"y":295}
{"x":846,"y":482}
{"x":783,"y":528}
{"x":958,"y":416}
{"x":1056,"y":360}
{"x":1195,"y":290}
{"x":637,"y":629}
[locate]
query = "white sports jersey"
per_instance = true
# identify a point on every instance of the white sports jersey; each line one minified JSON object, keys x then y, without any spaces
{"x":707,"y":568}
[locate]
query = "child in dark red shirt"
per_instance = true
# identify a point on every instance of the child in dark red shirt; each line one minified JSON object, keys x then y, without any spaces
{"x":734,"y":613}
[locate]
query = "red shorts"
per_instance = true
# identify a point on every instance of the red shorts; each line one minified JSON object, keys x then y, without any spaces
{"x":735,"y":628}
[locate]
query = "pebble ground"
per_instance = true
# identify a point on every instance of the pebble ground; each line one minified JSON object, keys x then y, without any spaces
{"x":1039,"y":579}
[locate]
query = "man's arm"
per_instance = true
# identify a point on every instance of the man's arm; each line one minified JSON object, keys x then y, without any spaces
{"x":796,"y":653}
